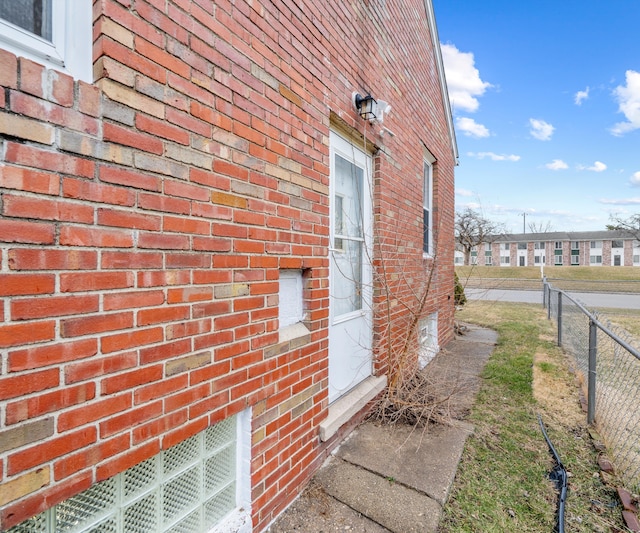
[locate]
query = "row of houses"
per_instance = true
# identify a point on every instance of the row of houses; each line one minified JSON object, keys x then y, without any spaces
{"x":585,"y":248}
{"x":219,"y":222}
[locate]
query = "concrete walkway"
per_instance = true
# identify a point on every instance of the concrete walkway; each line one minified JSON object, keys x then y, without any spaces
{"x":396,"y":478}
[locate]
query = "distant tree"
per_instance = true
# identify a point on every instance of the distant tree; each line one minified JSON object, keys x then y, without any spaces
{"x":541,"y":227}
{"x":473,"y":229}
{"x":631,"y":224}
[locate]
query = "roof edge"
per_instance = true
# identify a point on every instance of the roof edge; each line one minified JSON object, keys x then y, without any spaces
{"x":431,"y":18}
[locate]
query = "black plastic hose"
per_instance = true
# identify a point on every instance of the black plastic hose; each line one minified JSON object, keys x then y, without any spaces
{"x":559,"y":476}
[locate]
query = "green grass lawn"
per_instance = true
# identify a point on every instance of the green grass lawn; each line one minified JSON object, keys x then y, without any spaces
{"x":588,"y":279}
{"x":567,"y":272}
{"x":502,"y":483}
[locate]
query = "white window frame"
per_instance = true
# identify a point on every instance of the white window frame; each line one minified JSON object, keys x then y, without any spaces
{"x":427,"y":206}
{"x":70,"y":49}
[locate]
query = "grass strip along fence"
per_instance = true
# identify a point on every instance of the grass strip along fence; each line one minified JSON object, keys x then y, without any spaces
{"x":608,"y":365}
{"x":503,"y":481}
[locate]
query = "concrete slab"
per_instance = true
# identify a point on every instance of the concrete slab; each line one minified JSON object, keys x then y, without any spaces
{"x":425,"y":460}
{"x":397,"y":478}
{"x":318,"y":512}
{"x":389,"y":503}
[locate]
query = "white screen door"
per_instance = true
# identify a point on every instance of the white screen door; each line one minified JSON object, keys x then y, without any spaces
{"x":350,"y":329}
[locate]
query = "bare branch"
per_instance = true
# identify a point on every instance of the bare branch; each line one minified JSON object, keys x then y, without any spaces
{"x":473,"y":229}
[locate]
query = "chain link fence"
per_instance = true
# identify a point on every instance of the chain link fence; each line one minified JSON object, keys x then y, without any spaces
{"x":607,"y":363}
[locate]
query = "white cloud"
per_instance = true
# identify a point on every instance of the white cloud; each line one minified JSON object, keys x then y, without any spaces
{"x":598,"y":166}
{"x":463,"y":79}
{"x":620,"y":201}
{"x":495,"y":157}
{"x":557,"y":164}
{"x":628,"y":98}
{"x":540,"y":129}
{"x":464,"y":192}
{"x":635,"y":179}
{"x":471,"y":128}
{"x":581,"y":96}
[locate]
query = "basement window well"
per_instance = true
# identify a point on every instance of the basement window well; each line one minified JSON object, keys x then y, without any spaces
{"x":199,"y":485}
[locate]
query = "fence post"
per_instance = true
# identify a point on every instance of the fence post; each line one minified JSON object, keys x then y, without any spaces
{"x":591,"y":380}
{"x":559,"y":318}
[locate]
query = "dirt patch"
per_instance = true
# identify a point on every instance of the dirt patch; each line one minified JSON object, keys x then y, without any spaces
{"x":562,"y":401}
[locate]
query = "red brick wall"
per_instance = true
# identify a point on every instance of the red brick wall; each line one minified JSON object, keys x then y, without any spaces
{"x":144,"y":219}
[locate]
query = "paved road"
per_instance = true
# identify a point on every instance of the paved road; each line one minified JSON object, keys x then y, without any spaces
{"x":589,"y":299}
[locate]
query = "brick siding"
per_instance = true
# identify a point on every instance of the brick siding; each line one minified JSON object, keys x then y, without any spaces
{"x":144,"y":219}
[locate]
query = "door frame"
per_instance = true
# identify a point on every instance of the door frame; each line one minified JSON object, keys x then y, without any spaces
{"x":345,"y":148}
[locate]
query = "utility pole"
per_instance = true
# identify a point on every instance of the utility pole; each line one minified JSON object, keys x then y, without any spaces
{"x":524,"y":223}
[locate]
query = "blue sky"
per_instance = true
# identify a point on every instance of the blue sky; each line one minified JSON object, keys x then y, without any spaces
{"x":546,"y":103}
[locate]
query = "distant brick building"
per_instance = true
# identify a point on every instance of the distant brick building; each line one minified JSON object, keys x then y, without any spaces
{"x":208,"y":258}
{"x":577,"y":248}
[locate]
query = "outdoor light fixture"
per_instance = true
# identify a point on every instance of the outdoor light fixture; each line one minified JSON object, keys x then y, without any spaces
{"x":365,"y":106}
{"x":371,"y":109}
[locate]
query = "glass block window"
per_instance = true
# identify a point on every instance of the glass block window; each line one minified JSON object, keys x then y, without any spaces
{"x":189,"y":488}
{"x":428,"y":345}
